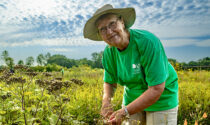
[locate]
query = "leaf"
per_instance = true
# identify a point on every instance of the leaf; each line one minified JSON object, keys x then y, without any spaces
{"x":28,"y":93}
{"x":37,"y":90}
{"x":33,"y":97}
{"x":28,"y":109}
{"x":3,"y":112}
{"x":53,"y":118}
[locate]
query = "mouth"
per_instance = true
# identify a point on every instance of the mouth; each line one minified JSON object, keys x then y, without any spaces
{"x":112,"y":36}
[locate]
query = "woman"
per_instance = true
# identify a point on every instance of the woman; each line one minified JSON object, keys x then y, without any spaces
{"x":136,"y":60}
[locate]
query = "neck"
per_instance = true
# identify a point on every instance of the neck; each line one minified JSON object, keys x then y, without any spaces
{"x":125,"y":42}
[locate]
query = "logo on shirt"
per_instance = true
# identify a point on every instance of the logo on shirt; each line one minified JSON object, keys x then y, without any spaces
{"x":136,"y":68}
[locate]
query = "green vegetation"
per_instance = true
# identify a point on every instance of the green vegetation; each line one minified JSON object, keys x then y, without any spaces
{"x":29,"y":97}
{"x":95,"y":62}
{"x":43,"y":94}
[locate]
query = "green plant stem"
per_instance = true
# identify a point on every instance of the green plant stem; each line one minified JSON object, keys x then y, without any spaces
{"x":37,"y":106}
{"x":61,"y":110}
{"x":23,"y":104}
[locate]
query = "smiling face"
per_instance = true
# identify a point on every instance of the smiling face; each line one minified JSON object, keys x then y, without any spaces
{"x":112,"y":30}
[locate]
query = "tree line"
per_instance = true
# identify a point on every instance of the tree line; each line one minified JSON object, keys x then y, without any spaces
{"x":47,"y":59}
{"x":201,"y":64}
{"x":95,"y":62}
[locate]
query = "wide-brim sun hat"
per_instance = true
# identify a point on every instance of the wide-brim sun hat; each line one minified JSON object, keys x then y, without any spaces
{"x":90,"y":30}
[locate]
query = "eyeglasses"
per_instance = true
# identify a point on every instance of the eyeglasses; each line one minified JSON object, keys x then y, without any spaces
{"x":112,"y":25}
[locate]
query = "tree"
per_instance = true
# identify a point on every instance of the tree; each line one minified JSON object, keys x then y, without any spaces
{"x":20,"y":62}
{"x":62,"y":61}
{"x":29,"y":61}
{"x":4,"y":55}
{"x":40,"y":59}
{"x":85,"y":61}
{"x":193,"y":63}
{"x":97,"y":57}
{"x":172,"y":61}
{"x":204,"y":62}
{"x":47,"y":56}
{"x":9,"y":62}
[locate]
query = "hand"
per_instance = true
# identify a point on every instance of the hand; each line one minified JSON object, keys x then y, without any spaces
{"x":106,"y":110}
{"x":117,"y":117}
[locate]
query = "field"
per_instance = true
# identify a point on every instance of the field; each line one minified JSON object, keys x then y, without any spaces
{"x":28,"y":97}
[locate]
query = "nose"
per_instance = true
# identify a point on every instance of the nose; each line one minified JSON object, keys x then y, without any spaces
{"x":109,"y":30}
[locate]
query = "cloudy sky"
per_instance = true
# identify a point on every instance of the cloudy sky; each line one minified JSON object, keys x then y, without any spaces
{"x":31,"y":27}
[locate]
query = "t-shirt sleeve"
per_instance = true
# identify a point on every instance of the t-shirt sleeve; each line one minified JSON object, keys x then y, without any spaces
{"x":154,"y":61}
{"x":109,"y":67}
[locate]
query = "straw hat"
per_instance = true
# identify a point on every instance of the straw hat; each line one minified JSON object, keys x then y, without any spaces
{"x":90,"y":30}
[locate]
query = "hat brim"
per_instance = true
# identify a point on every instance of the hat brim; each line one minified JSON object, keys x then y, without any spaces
{"x":90,"y":30}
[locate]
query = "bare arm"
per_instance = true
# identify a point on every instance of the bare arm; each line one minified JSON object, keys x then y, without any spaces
{"x":106,"y":109}
{"x":108,"y":91}
{"x":149,"y":97}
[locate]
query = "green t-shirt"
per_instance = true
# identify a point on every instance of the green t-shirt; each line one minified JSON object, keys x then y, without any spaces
{"x":143,"y":63}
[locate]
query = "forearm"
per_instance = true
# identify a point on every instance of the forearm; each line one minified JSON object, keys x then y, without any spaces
{"x":148,"y":98}
{"x":108,"y":92}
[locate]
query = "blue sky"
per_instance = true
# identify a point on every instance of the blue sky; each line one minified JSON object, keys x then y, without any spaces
{"x":31,"y":27}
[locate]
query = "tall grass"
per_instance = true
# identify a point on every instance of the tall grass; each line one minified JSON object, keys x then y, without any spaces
{"x":78,"y":100}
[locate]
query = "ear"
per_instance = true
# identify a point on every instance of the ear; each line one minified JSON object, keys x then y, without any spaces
{"x":122,"y":21}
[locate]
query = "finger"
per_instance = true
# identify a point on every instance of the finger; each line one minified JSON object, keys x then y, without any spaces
{"x":108,"y":114}
{"x":104,"y":113}
{"x":113,"y":115}
{"x":113,"y":122}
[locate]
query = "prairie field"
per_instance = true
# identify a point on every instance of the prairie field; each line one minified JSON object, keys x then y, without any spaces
{"x":28,"y":97}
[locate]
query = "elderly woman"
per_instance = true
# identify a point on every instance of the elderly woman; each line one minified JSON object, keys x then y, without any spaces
{"x":136,"y":60}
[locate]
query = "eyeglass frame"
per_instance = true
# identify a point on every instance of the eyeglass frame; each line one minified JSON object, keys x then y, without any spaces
{"x":110,"y":26}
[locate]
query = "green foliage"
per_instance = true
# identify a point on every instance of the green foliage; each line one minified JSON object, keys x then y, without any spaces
{"x":65,"y":62}
{"x":85,"y":61}
{"x":38,"y":68}
{"x":76,"y":98}
{"x":97,"y":57}
{"x":29,"y":61}
{"x":53,"y":67}
{"x":61,"y":60}
{"x":40,"y":59}
{"x":172,"y":61}
{"x":20,"y":62}
{"x":9,"y":62}
{"x":5,"y":54}
{"x":96,"y":62}
{"x":201,"y":64}
{"x":194,"y":95}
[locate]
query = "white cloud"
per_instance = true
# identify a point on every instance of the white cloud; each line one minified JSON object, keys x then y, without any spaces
{"x":184,"y":42}
{"x":60,"y":50}
{"x":177,"y":42}
{"x":205,"y":43}
{"x":6,"y":29}
{"x":163,"y":31}
{"x":74,"y":41}
{"x":165,"y":22}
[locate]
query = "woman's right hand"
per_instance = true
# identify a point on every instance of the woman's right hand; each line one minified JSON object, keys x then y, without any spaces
{"x":106,"y":110}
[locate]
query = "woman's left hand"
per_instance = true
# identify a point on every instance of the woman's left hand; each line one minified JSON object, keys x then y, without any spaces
{"x":117,"y":117}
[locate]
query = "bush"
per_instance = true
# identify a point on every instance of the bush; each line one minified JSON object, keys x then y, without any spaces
{"x":38,"y":68}
{"x":53,"y":67}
